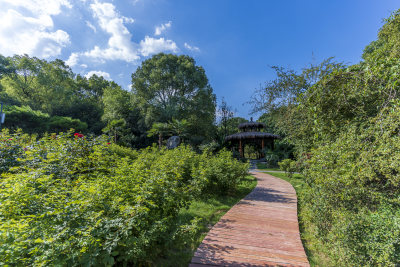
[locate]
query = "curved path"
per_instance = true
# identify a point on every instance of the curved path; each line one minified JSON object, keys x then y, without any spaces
{"x":260,"y":230}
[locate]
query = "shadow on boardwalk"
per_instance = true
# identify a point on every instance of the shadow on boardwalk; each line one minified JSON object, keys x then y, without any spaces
{"x":268,"y":195}
{"x":261,"y":230}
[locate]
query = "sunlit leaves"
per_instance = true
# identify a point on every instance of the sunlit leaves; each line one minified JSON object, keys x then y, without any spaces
{"x":73,"y":199}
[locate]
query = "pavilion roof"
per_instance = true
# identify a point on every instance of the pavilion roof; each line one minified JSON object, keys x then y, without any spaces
{"x":251,"y":135}
{"x":251,"y":124}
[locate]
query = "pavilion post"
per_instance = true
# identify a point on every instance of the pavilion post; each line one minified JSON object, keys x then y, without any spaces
{"x":251,"y":134}
{"x":241,"y":152}
{"x":262,"y":148}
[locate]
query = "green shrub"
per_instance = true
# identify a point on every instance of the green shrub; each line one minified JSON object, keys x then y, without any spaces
{"x":34,"y":121}
{"x":63,"y":124}
{"x":288,"y":166}
{"x":271,"y":158}
{"x":220,"y":173}
{"x":122,"y":151}
{"x":31,"y":121}
{"x":72,"y":200}
{"x":12,"y":147}
{"x":352,"y":206}
{"x":209,"y":147}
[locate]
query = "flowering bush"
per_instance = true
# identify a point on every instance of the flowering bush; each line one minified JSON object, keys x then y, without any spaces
{"x":70,"y":200}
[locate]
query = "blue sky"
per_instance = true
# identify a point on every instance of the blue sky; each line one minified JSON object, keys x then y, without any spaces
{"x":235,"y":41}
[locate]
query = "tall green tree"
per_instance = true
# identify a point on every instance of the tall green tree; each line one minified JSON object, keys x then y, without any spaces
{"x":282,"y":100}
{"x":23,"y":83}
{"x":5,"y":66}
{"x":6,"y":69}
{"x":118,"y":105}
{"x":170,"y":87}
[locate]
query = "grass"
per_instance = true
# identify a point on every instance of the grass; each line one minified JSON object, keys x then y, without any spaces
{"x":297,"y":180}
{"x":299,"y":184}
{"x":209,"y":210}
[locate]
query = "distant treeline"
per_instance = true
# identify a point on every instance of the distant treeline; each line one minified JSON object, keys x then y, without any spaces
{"x":46,"y":96}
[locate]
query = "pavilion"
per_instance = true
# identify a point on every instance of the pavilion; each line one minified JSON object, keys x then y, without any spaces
{"x":251,"y":133}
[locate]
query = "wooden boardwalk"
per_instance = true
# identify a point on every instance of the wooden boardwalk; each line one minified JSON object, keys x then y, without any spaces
{"x":260,"y":230}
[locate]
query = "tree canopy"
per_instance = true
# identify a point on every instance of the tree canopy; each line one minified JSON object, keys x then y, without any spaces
{"x":168,"y":87}
{"x":165,"y":89}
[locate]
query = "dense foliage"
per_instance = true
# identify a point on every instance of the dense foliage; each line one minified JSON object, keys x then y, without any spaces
{"x":343,"y":123}
{"x":34,"y":121}
{"x":168,"y":87}
{"x":353,"y":202}
{"x":70,"y":199}
{"x":164,"y":88}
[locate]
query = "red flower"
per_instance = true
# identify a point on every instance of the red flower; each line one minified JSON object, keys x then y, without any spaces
{"x":76,"y":134}
{"x":80,"y":135}
{"x":10,"y":139}
{"x":108,"y":143}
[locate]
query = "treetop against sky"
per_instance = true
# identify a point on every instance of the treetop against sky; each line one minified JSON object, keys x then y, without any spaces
{"x":235,"y":41}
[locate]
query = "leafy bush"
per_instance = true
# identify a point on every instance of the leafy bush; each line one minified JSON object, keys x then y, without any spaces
{"x":288,"y":166}
{"x":353,"y":200}
{"x":12,"y":147}
{"x":210,"y":147}
{"x":71,"y":200}
{"x":61,"y":124}
{"x":218,"y":174}
{"x":31,"y":121}
{"x":271,"y":159}
{"x":34,"y":121}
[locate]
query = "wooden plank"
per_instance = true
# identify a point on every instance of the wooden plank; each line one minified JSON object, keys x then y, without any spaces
{"x":260,"y":230}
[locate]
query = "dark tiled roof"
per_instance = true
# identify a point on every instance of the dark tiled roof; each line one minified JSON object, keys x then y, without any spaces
{"x":251,"y":125}
{"x":251,"y":135}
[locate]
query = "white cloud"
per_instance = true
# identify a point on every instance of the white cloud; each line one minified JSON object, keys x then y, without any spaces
{"x":27,"y":27}
{"x":91,"y":26}
{"x":160,"y":29}
{"x":191,"y":48}
{"x":119,"y":44}
{"x":99,"y":73}
{"x":150,"y":46}
{"x":52,"y":7}
{"x":72,"y":60}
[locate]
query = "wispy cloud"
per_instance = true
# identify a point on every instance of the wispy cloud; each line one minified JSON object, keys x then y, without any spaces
{"x":91,"y":26}
{"x":191,"y":48}
{"x":163,"y":27}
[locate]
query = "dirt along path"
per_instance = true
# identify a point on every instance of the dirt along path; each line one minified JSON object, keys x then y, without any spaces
{"x":260,"y":230}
